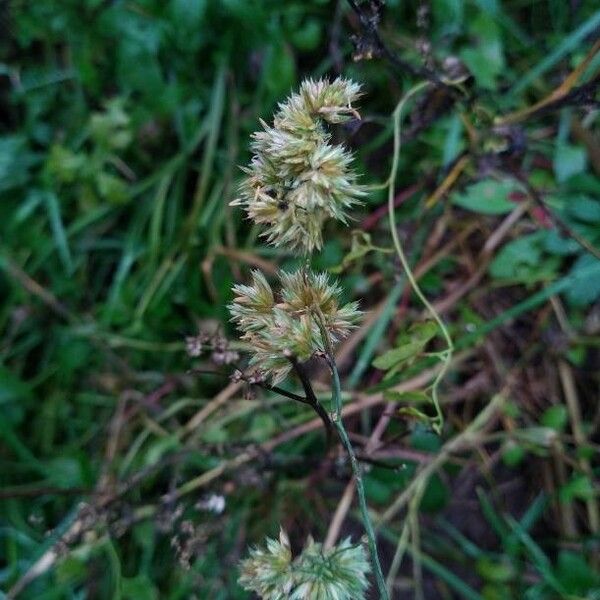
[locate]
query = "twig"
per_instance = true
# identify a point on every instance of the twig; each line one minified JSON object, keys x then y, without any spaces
{"x":369,"y":25}
{"x":311,"y":399}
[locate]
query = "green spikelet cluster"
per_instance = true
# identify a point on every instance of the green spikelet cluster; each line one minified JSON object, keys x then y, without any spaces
{"x":279,"y":327}
{"x":336,"y":574}
{"x":297,"y":179}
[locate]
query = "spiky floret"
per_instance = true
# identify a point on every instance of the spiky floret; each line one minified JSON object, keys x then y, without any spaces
{"x":285,"y":325}
{"x":266,"y":571}
{"x":296,"y":179}
{"x":339,"y":573}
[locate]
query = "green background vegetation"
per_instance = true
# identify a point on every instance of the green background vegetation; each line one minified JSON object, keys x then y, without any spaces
{"x":122,"y":128}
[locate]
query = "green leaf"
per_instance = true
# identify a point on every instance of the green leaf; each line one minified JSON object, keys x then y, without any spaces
{"x":584,"y":290}
{"x":521,"y":259}
{"x":580,"y":487}
{"x":574,"y":572}
{"x":111,"y":188}
{"x":15,"y":161}
{"x":422,"y":438}
{"x":584,"y":208}
{"x":423,"y":331}
{"x":556,"y":244}
{"x":280,"y":70}
{"x":139,"y":588}
{"x":262,"y":426}
{"x":58,"y":230}
{"x":540,"y":437}
{"x":512,"y":453}
{"x":159,"y":448}
{"x":486,"y":60}
{"x":397,"y":355}
{"x":436,"y":495}
{"x":492,"y":570}
{"x":308,"y":36}
{"x":569,"y":160}
{"x":67,"y":472}
{"x":555,"y":417}
{"x":488,"y":197}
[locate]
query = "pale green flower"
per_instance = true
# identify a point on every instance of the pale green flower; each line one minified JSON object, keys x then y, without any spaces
{"x":267,"y":570}
{"x":286,"y":325}
{"x":339,"y":573}
{"x":296,"y":179}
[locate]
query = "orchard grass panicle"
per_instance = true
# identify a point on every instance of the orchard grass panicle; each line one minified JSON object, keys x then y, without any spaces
{"x":283,"y":326}
{"x":339,"y":573}
{"x":297,"y":179}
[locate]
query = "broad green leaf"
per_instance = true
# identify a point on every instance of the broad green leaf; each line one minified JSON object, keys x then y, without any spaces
{"x":584,"y":208}
{"x":584,"y":290}
{"x":575,"y":573}
{"x":486,"y":60}
{"x":492,"y":570}
{"x":436,"y":495}
{"x":139,"y":588}
{"x":522,"y":260}
{"x":488,"y":197}
{"x":159,"y":448}
{"x":569,"y":160}
{"x":423,"y":331}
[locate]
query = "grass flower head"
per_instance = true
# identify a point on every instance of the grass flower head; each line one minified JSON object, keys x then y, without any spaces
{"x":286,"y":324}
{"x":297,"y":179}
{"x":339,"y":573}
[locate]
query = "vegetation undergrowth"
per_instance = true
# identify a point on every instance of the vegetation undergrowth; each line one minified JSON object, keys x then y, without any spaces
{"x":148,"y":451}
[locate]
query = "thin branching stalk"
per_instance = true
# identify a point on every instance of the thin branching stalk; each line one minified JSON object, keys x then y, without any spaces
{"x":336,"y":400}
{"x":312,"y":400}
{"x":445,"y":355}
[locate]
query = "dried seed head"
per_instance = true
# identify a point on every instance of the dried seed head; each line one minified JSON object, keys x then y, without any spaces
{"x":278,"y":328}
{"x":296,"y":179}
{"x":339,"y":573}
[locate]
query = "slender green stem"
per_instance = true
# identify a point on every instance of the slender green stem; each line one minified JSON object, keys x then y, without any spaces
{"x":446,"y":355}
{"x":336,"y":400}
